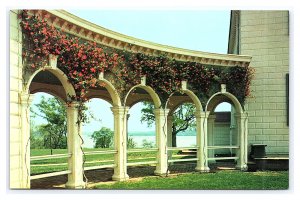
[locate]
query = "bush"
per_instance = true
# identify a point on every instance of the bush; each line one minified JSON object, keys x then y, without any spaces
{"x":130,"y":143}
{"x":147,"y":144}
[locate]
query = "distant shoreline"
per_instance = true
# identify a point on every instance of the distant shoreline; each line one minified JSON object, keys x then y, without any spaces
{"x":152,"y":133}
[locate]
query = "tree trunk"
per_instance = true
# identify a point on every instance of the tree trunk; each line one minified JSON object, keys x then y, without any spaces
{"x":174,"y":143}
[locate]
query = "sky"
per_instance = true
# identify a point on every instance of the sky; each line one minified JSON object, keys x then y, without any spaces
{"x":197,"y":30}
{"x":190,"y":29}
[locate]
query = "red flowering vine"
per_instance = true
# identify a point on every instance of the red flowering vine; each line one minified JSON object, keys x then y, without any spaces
{"x":82,"y":61}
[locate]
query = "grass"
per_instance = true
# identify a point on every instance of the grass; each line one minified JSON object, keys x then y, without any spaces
{"x":221,"y":180}
{"x":60,"y":164}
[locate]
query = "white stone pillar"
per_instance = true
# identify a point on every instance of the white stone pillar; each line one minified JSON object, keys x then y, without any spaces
{"x":127,"y":136}
{"x":161,"y":141}
{"x":210,"y":129}
{"x":201,"y":121}
{"x":75,"y":162}
{"x":232,"y":134}
{"x":242,"y":121}
{"x":169,"y":135}
{"x":26,"y":100}
{"x":120,"y":140}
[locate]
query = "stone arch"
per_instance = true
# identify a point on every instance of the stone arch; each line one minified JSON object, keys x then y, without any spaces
{"x":192,"y":96}
{"x":61,"y":91}
{"x":115,"y":98}
{"x":60,"y":75}
{"x":240,"y":121}
{"x":218,"y":97}
{"x":154,"y":96}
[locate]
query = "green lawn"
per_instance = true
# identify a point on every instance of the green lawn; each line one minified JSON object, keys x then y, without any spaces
{"x":60,"y":164}
{"x":222,"y":180}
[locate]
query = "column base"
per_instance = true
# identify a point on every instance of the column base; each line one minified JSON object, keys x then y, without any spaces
{"x":243,"y":167}
{"x":120,"y":177}
{"x":202,"y":169}
{"x":161,"y":173}
{"x":72,"y":185}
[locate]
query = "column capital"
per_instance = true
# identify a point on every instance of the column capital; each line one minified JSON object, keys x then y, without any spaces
{"x":212,"y":117}
{"x":120,"y":110}
{"x":202,"y":114}
{"x":161,"y":111}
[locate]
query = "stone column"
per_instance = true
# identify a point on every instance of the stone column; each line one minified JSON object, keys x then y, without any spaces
{"x":232,"y":129}
{"x":242,"y":122}
{"x":169,"y":135}
{"x":210,"y":129}
{"x":26,"y":100}
{"x":161,"y":141}
{"x":127,"y":136}
{"x":120,"y":140}
{"x":74,"y":140}
{"x":201,"y":121}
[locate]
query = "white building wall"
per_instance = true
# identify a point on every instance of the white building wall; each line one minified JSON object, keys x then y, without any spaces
{"x":265,"y":36}
{"x":15,"y":89}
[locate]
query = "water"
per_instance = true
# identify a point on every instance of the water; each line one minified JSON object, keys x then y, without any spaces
{"x":182,"y":141}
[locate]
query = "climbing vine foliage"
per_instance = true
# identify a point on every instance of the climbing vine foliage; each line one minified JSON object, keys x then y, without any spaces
{"x":82,"y":61}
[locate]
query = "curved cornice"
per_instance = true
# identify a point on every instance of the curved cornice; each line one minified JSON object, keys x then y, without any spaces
{"x":90,"y":31}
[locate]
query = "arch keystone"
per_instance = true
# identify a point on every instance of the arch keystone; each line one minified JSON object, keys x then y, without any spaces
{"x":184,"y":85}
{"x":52,"y":61}
{"x":101,"y":76}
{"x":143,"y":80}
{"x":223,"y":88}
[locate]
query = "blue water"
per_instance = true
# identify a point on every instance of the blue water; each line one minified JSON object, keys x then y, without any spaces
{"x":182,"y":141}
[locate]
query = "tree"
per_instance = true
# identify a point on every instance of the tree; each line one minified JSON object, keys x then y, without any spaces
{"x":130,"y":143}
{"x":36,"y":138}
{"x":54,"y":131}
{"x":103,"y":138}
{"x":183,"y":118}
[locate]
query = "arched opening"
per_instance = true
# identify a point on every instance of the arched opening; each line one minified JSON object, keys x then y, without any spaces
{"x":98,"y":134}
{"x":141,"y":128}
{"x":183,"y":131}
{"x":48,"y":129}
{"x":183,"y":125}
{"x":48,"y":134}
{"x":141,"y":133}
{"x":224,"y":132}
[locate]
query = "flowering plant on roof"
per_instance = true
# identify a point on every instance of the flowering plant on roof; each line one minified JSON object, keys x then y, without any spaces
{"x":82,"y":61}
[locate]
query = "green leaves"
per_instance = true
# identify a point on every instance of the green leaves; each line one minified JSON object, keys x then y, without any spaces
{"x":54,"y":132}
{"x":103,"y":138}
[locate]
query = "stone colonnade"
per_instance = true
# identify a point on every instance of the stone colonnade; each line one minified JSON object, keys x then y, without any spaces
{"x":163,"y":133}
